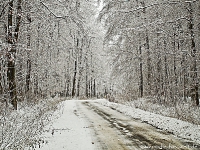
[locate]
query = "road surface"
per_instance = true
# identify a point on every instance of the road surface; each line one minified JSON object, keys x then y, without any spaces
{"x":87,"y":125}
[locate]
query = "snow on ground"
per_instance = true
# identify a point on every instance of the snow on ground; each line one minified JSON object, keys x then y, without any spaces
{"x":177,"y":127}
{"x":69,"y":132}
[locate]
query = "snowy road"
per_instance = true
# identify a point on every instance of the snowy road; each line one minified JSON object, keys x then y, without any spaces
{"x":88,"y":125}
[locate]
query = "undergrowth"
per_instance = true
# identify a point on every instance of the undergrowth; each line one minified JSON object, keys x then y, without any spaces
{"x":21,"y":129}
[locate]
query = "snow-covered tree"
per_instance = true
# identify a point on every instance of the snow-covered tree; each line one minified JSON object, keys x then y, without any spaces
{"x":154,"y":47}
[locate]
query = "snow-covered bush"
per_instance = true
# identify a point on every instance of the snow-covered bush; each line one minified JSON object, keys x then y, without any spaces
{"x":21,"y":128}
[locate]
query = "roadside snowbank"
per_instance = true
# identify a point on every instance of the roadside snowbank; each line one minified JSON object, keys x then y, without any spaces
{"x":177,"y":127}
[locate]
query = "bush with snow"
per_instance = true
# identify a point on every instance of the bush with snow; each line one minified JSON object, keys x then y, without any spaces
{"x":21,"y":128}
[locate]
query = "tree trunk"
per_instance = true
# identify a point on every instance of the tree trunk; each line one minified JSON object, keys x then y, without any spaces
{"x":68,"y":79}
{"x":28,"y":74}
{"x":94,"y":88}
{"x":1,"y":87}
{"x":141,"y":73}
{"x":148,"y":65}
{"x":91,"y":88}
{"x":68,"y":85}
{"x":78,"y":87}
{"x":166,"y":76}
{"x":74,"y":80}
{"x":194,"y":77}
{"x":36,"y":90}
{"x":12,"y":52}
{"x":174,"y":61}
{"x":80,"y":69}
{"x":86,"y":86}
{"x":183,"y":64}
{"x":86,"y":78}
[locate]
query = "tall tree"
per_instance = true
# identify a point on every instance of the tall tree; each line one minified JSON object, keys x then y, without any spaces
{"x":12,"y":41}
{"x":194,"y":76}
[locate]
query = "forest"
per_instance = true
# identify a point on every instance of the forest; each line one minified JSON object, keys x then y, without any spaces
{"x":46,"y":49}
{"x":122,"y":50}
{"x":127,"y":49}
{"x":154,"y":48}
